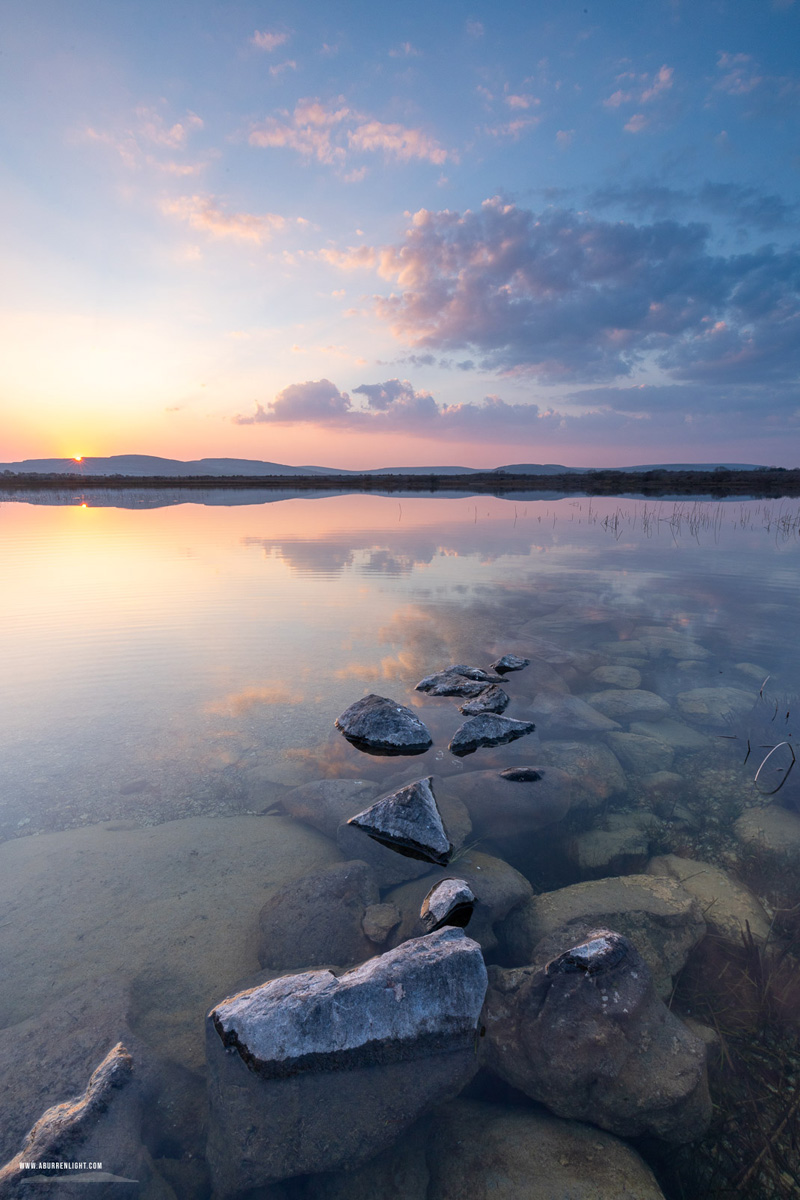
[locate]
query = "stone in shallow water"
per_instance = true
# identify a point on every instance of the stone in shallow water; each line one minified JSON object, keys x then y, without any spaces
{"x":728,"y":906}
{"x":409,"y":822}
{"x":449,"y":902}
{"x":716,"y":707}
{"x":509,"y":662}
{"x":490,"y":700}
{"x":641,"y":754}
{"x":617,"y":676}
{"x":310,"y":1073}
{"x":382,"y":726}
{"x":460,"y":680}
{"x":565,"y":715}
{"x":487,"y":730}
{"x":629,"y":704}
{"x":594,"y":769}
{"x":519,"y":800}
{"x":325,"y":803}
{"x":627,"y":1064}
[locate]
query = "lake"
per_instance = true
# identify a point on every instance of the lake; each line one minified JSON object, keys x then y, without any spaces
{"x":172,"y":673}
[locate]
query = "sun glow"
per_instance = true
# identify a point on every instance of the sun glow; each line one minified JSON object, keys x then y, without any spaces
{"x":77,"y":458}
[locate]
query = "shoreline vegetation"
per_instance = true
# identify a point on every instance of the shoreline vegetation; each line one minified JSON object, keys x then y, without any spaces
{"x":771,"y":483}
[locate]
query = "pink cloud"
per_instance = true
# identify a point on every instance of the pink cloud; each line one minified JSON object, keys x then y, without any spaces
{"x":397,"y":142}
{"x":637,"y":123}
{"x":662,"y":82}
{"x":204,"y":214}
{"x":269,"y":40}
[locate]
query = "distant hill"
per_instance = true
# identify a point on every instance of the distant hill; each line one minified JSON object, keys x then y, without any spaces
{"x":142,"y":465}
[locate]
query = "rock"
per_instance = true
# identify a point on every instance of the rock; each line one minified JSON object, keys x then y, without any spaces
{"x":504,"y":1152}
{"x":641,"y":754}
{"x":673,"y":733}
{"x":325,"y":803}
{"x":562,"y":715}
{"x":658,"y":915}
{"x":752,"y":671}
{"x":382,"y":726}
{"x":625,"y":649}
{"x":459,"y":680}
{"x":773,"y":831}
{"x":100,"y":1126}
{"x":399,"y":1173}
{"x":516,"y":801}
{"x":317,"y":919}
{"x":310,"y":1073}
{"x":587,"y":1035}
{"x":379,"y":921}
{"x":449,"y":902}
{"x":491,"y":700}
{"x":594,"y":769}
{"x":391,"y":867}
{"x":658,"y":641}
{"x":409,"y":822}
{"x":487,"y":730}
{"x":629,"y":704}
{"x":717,"y":707}
{"x":728,"y":906}
{"x":617,"y":676}
{"x":509,"y":662}
{"x":498,"y":889}
{"x":660,"y":788}
{"x":621,"y":842}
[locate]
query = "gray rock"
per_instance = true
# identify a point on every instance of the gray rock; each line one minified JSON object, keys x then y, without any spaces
{"x":382,"y":726}
{"x":516,"y":801}
{"x":325,"y":803}
{"x":317,"y":919}
{"x":629,"y":704}
{"x":587,"y":1035}
{"x":595,"y":770}
{"x":659,"y":641}
{"x":491,"y":700}
{"x":392,"y":868}
{"x":729,"y":908}
{"x":487,"y":730}
{"x":716,"y":707}
{"x":509,"y":662}
{"x":459,"y":680}
{"x":673,"y":733}
{"x":617,"y":676}
{"x":621,"y":842}
{"x":560,"y":715}
{"x":641,"y":754}
{"x":658,"y":915}
{"x":498,"y":889}
{"x":399,"y":1173}
{"x":379,"y":921}
{"x":772,"y":831}
{"x":100,"y":1126}
{"x":497,"y":1152}
{"x":449,"y":902}
{"x":310,"y":1073}
{"x":409,"y":822}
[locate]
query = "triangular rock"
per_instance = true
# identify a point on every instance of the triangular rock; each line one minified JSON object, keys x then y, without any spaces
{"x":487,"y":730}
{"x":409,"y":822}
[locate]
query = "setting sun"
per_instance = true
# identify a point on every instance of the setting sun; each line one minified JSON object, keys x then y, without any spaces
{"x":77,"y":458}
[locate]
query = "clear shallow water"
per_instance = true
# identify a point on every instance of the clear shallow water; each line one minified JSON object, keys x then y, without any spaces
{"x":189,"y":662}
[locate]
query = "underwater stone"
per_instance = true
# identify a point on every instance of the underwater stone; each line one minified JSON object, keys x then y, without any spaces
{"x":487,"y":730}
{"x":595,"y":770}
{"x":587,"y":1035}
{"x":377,"y":724}
{"x":566,"y":715}
{"x":716,"y":707}
{"x":379,"y":921}
{"x":510,"y":662}
{"x":409,"y":822}
{"x":617,"y":676}
{"x":491,"y":700}
{"x":519,"y":800}
{"x":311,"y":1073}
{"x":449,"y":902}
{"x":729,"y":907}
{"x":629,"y":704}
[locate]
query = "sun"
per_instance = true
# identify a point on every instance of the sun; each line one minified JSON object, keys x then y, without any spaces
{"x":77,"y":458}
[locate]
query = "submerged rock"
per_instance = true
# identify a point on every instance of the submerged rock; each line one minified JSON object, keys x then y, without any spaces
{"x":311,"y":1073}
{"x":409,"y":822}
{"x":629,"y":704}
{"x":317,"y":919}
{"x":773,"y":832}
{"x":449,"y":902}
{"x":325,"y":803}
{"x":595,"y":770}
{"x":658,"y":915}
{"x":716,"y":707}
{"x":487,"y":730}
{"x":617,"y":676}
{"x":621,"y":841}
{"x":460,"y":680}
{"x":729,"y":908}
{"x":382,"y":726}
{"x":519,"y":800}
{"x":509,"y":1152}
{"x":100,"y":1126}
{"x":509,"y":662}
{"x":491,"y":700}
{"x":587,"y":1035}
{"x":379,"y":921}
{"x":641,"y":754}
{"x":562,"y":715}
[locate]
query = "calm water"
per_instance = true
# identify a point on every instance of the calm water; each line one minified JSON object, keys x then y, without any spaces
{"x":185,"y":664}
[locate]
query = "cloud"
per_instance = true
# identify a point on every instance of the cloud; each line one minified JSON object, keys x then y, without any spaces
{"x":662,"y":82}
{"x":740,"y":76}
{"x":142,"y":143}
{"x":330,"y":133}
{"x":564,"y":296}
{"x":564,"y":137}
{"x":636,"y":124}
{"x":744,"y":205}
{"x":318,"y":401}
{"x":269,"y":40}
{"x":654,"y":86}
{"x":512,"y":129}
{"x":203,"y":213}
{"x":475,"y":29}
{"x":521,"y":101}
{"x":404,"y":50}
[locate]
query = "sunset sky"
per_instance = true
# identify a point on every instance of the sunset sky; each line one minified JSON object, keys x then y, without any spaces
{"x":362,"y":236}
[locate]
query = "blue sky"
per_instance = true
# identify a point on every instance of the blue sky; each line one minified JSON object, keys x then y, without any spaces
{"x":432,"y":233}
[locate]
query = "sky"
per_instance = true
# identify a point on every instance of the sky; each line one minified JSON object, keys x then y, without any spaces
{"x":361,"y":235}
